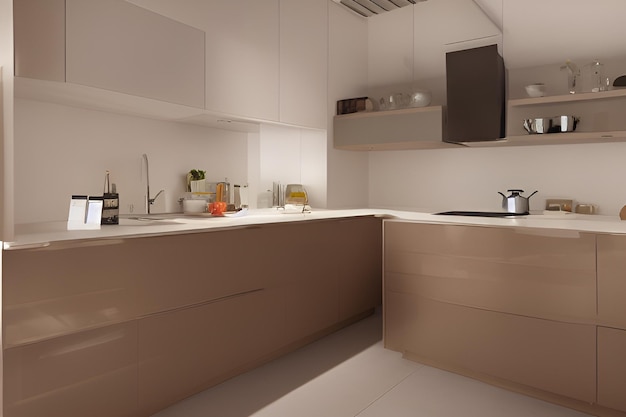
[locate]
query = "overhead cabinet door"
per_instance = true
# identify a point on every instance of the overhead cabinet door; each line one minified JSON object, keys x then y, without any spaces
{"x":115,"y":45}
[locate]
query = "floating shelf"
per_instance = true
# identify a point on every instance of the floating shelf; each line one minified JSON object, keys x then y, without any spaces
{"x":410,"y":128}
{"x":570,"y":138}
{"x":568,"y":98}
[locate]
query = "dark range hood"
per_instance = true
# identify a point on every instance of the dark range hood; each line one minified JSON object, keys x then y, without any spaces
{"x":476,"y":95}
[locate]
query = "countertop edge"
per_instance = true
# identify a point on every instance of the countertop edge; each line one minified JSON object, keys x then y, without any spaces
{"x":46,"y":234}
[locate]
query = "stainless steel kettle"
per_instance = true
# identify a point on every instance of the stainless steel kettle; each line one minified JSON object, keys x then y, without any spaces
{"x":516,"y":203}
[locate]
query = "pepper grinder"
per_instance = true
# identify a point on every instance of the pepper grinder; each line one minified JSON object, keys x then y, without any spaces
{"x":111,"y":205}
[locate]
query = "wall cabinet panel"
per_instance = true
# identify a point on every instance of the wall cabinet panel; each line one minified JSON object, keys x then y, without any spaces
{"x":39,"y":34}
{"x":242,"y":57}
{"x":304,"y":62}
{"x":115,"y":45}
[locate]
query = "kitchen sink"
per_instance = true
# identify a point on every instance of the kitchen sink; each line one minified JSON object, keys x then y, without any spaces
{"x":481,"y":213}
{"x":146,"y":221}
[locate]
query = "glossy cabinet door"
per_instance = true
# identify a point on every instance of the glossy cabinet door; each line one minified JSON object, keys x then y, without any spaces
{"x":612,"y":320}
{"x":612,"y":280}
{"x":511,"y":304}
{"x":39,"y":34}
{"x":115,"y":45}
{"x":242,"y":57}
{"x":92,"y":373}
{"x":188,"y":269}
{"x":548,"y":355}
{"x":184,"y":351}
{"x":540,"y":273}
{"x":174,"y":314}
{"x":311,"y":288}
{"x":360,"y":266}
{"x":612,"y":368}
{"x":304,"y":62}
{"x":67,"y":288}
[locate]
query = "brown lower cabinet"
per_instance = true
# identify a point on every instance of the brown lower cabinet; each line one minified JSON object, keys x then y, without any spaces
{"x":126,"y":327}
{"x":612,"y":320}
{"x":612,"y":368}
{"x":539,"y":311}
{"x":547,"y":355}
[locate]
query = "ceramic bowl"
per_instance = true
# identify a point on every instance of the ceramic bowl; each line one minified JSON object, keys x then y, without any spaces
{"x":536,"y":90}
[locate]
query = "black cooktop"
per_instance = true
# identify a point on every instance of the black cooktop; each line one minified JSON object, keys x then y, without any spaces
{"x":481,"y":213}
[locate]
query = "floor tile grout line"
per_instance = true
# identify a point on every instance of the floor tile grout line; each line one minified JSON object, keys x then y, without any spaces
{"x":389,"y":390}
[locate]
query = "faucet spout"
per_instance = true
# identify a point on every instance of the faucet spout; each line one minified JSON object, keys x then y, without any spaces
{"x":149,"y":201}
{"x":152,"y":200}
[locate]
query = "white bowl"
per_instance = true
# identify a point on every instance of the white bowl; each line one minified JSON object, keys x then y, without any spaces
{"x":536,"y":90}
{"x":194,"y":205}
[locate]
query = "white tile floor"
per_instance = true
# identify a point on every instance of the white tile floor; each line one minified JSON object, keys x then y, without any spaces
{"x":350,"y":374}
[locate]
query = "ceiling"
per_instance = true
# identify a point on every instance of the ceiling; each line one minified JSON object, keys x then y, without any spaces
{"x":367,"y":8}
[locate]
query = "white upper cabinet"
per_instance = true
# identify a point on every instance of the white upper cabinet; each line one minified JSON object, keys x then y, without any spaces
{"x":115,"y":45}
{"x":390,"y":48}
{"x":39,"y":29}
{"x":242,"y":65}
{"x":304,"y":62}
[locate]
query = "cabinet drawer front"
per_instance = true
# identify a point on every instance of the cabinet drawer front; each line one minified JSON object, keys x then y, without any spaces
{"x":612,"y":368}
{"x":551,"y":356}
{"x":48,"y":292}
{"x":92,"y":374}
{"x":185,"y":351}
{"x":536,"y":273}
{"x":612,"y":280}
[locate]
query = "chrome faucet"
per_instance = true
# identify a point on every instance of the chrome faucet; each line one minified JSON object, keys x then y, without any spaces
{"x":149,"y":201}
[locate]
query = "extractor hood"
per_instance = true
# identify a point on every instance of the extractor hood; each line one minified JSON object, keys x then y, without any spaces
{"x":367,"y":8}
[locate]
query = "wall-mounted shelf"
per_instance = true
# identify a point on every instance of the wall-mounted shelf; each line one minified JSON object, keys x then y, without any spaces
{"x":570,"y":138}
{"x":411,"y":128}
{"x":568,"y":98}
{"x":600,"y":114}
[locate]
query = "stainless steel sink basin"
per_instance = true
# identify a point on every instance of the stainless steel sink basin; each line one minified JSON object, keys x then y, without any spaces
{"x":481,"y":213}
{"x":146,"y":221}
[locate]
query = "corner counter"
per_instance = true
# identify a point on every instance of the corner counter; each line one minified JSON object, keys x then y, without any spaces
{"x":34,"y":235}
{"x":152,"y":311}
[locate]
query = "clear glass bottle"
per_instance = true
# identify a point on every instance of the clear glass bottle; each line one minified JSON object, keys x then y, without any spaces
{"x":593,"y":77}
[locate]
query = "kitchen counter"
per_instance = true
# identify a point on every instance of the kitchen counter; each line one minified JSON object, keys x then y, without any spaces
{"x":43,"y":234}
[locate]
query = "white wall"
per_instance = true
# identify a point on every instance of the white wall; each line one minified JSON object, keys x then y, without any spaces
{"x":61,"y":150}
{"x":288,"y":155}
{"x":469,"y":179}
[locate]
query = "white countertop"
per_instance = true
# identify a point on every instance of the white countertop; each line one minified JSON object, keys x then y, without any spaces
{"x":44,"y":234}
